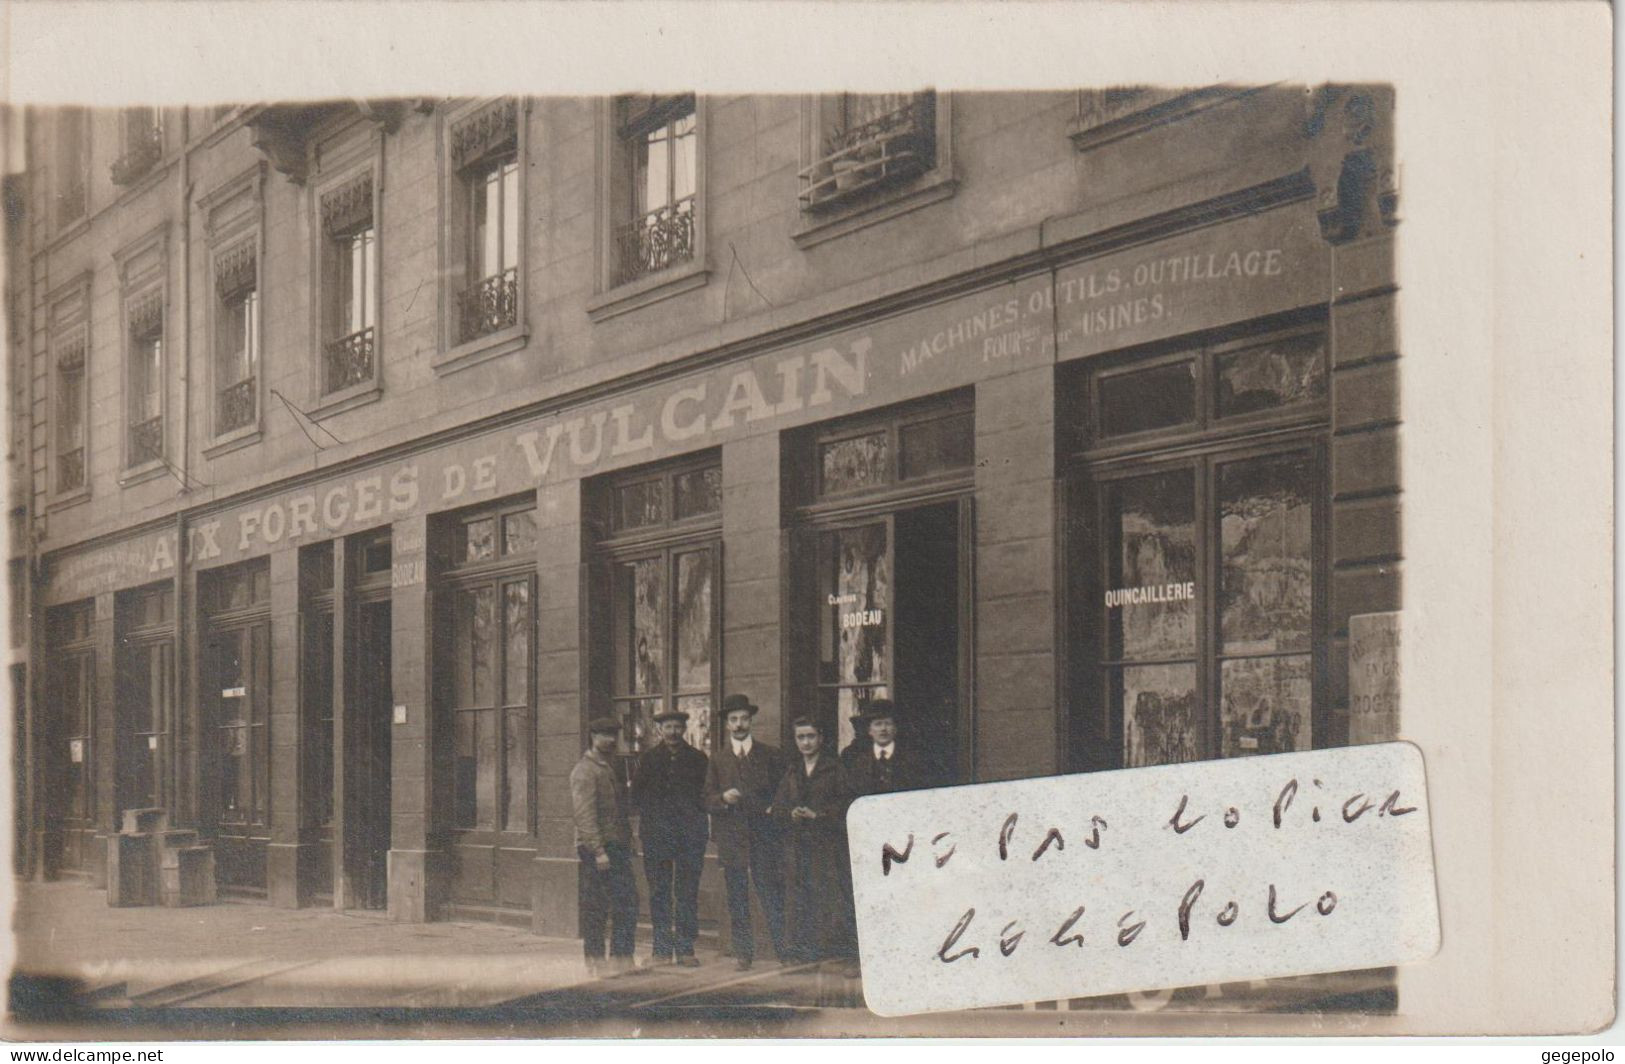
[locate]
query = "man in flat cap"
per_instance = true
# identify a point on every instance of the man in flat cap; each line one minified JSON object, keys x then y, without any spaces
{"x":669,"y":794}
{"x":738,"y":790}
{"x":604,"y":844}
{"x":877,"y":761}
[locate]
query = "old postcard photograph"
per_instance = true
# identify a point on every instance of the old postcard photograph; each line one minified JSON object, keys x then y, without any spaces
{"x":690,"y":545}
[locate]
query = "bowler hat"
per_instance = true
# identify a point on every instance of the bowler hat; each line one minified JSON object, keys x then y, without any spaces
{"x":875,"y":709}
{"x":603,"y":726}
{"x":738,"y":704}
{"x":670,"y":714}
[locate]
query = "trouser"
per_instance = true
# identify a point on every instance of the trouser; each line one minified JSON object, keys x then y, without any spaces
{"x":675,"y":925}
{"x":608,"y":896}
{"x":763,"y":869}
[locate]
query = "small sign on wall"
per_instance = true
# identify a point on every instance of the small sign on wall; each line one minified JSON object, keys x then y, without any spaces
{"x":400,"y":714}
{"x":152,"y":742}
{"x":234,"y":692}
{"x":76,"y":751}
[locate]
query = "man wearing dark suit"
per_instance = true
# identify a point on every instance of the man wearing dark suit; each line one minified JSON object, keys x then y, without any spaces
{"x":739,"y":787}
{"x":882,"y":764}
{"x":669,"y":794}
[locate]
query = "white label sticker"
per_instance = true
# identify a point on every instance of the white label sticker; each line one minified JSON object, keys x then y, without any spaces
{"x":400,"y":714}
{"x":234,"y":692}
{"x":76,"y":751}
{"x":1143,"y":879}
{"x":152,"y":742}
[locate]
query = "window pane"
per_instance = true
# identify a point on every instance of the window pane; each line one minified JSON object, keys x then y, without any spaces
{"x":472,"y":638}
{"x":233,"y":706}
{"x":1150,"y":593}
{"x":937,"y":445}
{"x":645,"y":591}
{"x":637,"y":720}
{"x":1265,"y":705}
{"x":695,"y":633}
{"x":490,"y":231}
{"x":698,"y":730}
{"x":519,"y":533}
{"x":70,"y":409}
{"x":516,"y":671}
{"x":697,"y":492}
{"x":466,"y":770}
{"x":640,"y":504}
{"x":1158,"y":707}
{"x":654,"y":169}
{"x":683,"y":158}
{"x":855,"y":593}
{"x":860,"y":462}
{"x":1155,"y":398}
{"x":1266,"y":524}
{"x":510,"y":214}
{"x":1282,"y":373}
{"x":516,"y":780}
{"x":479,"y":540}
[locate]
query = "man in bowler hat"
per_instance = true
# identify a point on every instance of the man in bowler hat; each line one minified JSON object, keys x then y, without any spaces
{"x":877,"y":761}
{"x":604,"y":843}
{"x":739,"y":787}
{"x":669,"y":794}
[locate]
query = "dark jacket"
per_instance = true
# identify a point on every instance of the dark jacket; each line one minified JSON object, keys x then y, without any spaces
{"x":818,"y":918}
{"x":736,"y":828}
{"x":669,"y":794}
{"x":904,"y":770}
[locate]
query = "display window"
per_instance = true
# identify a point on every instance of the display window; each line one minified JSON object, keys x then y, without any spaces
{"x":656,"y":602}
{"x":145,"y":696}
{"x":69,"y":726}
{"x":1197,"y":552}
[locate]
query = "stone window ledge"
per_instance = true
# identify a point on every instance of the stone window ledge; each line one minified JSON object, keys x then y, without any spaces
{"x":482,"y":349}
{"x":649,"y":290}
{"x":932,"y":187}
{"x":346,"y":399}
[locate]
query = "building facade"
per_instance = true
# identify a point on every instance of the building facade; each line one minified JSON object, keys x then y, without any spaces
{"x":370,"y":448}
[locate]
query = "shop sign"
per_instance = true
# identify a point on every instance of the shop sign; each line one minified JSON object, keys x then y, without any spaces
{"x":132,"y":561}
{"x":933,"y":349}
{"x":1373,"y":677}
{"x":1151,"y":594}
{"x":1223,"y":274}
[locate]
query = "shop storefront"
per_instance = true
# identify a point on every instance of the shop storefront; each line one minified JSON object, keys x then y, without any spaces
{"x":1077,"y":519}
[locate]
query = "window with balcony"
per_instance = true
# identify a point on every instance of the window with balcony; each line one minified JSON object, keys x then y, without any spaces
{"x":236,"y":351}
{"x":144,"y":413}
{"x":657,"y":231}
{"x":72,"y":155}
{"x":870,"y":156}
{"x":350,"y":288}
{"x":143,"y":145}
{"x":485,"y":229}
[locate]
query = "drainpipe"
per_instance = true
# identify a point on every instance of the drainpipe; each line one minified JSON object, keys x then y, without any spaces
{"x":181,"y":687}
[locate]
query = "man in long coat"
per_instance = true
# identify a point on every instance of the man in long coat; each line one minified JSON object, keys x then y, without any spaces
{"x":739,"y":787}
{"x":810,"y":804}
{"x":669,"y":794}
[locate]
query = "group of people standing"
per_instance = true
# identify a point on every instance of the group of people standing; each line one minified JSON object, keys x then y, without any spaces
{"x":779,"y":822}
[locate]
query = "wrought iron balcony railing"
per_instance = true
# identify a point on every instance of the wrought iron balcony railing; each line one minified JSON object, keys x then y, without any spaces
{"x":147,"y":441}
{"x":889,"y":149}
{"x":70,"y":470}
{"x":349,"y":360}
{"x":660,"y":239}
{"x":235,"y":407}
{"x":140,"y":156}
{"x":489,"y":306}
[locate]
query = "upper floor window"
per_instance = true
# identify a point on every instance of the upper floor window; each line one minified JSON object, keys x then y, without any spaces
{"x":660,"y":138}
{"x":143,"y":145}
{"x":72,"y":154}
{"x":869,"y":140}
{"x":489,"y":223}
{"x":236,"y":379}
{"x":144,"y":382}
{"x":350,"y":286}
{"x":70,"y":412}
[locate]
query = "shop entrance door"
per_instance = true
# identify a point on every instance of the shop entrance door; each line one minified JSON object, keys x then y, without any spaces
{"x":69,"y":797}
{"x":146,"y":677}
{"x":235,"y":693}
{"x":888,"y":596}
{"x":368,"y":712}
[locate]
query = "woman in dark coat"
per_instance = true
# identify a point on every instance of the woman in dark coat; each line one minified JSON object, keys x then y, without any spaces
{"x":810,"y":804}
